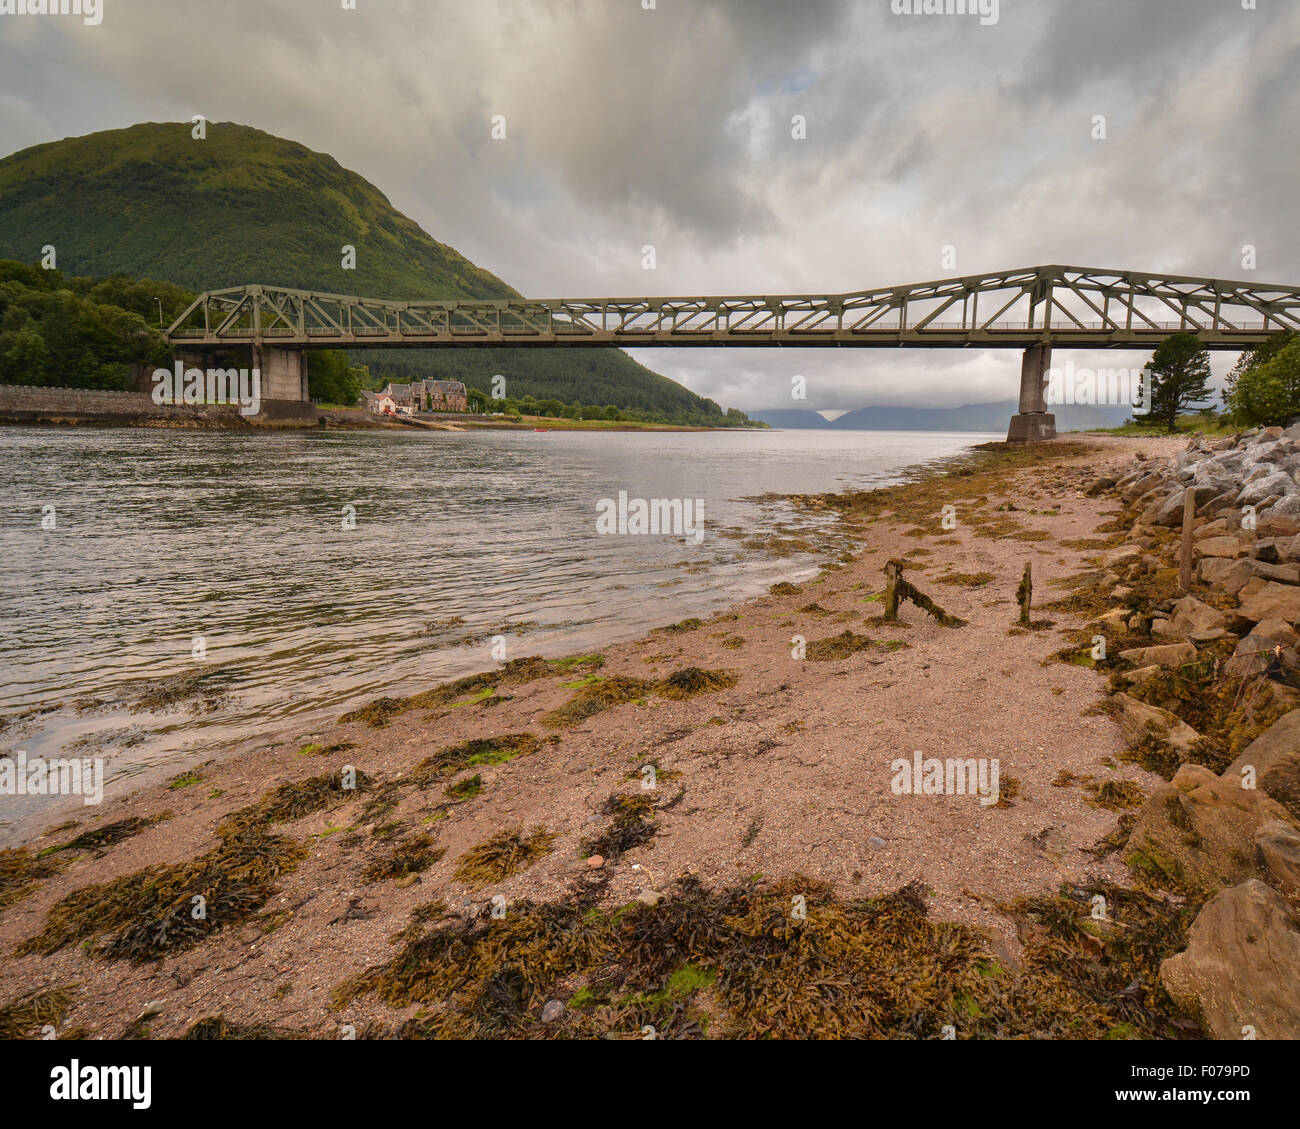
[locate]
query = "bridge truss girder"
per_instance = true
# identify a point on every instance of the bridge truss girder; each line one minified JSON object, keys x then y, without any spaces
{"x":1066,"y":307}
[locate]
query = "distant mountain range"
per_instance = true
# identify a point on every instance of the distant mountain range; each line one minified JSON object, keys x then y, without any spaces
{"x":969,"y":417}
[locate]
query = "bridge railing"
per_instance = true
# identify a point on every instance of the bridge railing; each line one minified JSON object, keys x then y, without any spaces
{"x":892,"y":330}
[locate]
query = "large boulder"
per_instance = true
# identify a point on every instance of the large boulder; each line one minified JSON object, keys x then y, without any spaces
{"x":1138,"y":676}
{"x":1193,"y":618}
{"x":1277,"y":484}
{"x":1277,"y":631}
{"x":1168,"y":509}
{"x":1283,"y":524}
{"x":1231,"y":546}
{"x":1288,"y":507}
{"x":1217,"y":528}
{"x":1275,"y":757}
{"x":1233,"y":575}
{"x":1124,"y":555}
{"x":1137,"y":721}
{"x":1197,"y":832}
{"x":1169,"y":655}
{"x":1267,"y":599}
{"x":1258,"y":650}
{"x":1257,"y":654}
{"x":1141,"y":485}
{"x":1277,"y":853}
{"x":1241,"y":967}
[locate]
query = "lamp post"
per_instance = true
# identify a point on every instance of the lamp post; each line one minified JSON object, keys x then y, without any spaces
{"x":160,"y":312}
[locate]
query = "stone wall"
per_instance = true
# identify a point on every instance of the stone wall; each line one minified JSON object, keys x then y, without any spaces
{"x":25,"y":404}
{"x":18,"y":397}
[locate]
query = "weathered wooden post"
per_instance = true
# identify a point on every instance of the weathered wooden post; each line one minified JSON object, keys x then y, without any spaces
{"x":1025,"y":593}
{"x":893,"y":571}
{"x":1185,"y":552}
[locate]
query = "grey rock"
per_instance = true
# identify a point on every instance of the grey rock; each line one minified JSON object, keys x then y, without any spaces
{"x":1266,"y":599}
{"x":1192,"y":616}
{"x":1217,"y":528}
{"x":1275,"y":483}
{"x":1170,"y":655}
{"x":1254,"y":655}
{"x":1137,"y":721}
{"x":1275,"y":757}
{"x":1232,"y":546}
{"x":1125,"y":554}
{"x":1241,"y":965}
{"x":1233,"y":575}
{"x":1277,"y":851}
{"x":1277,"y":631}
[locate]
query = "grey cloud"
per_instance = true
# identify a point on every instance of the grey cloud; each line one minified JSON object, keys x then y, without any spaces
{"x":672,"y":127}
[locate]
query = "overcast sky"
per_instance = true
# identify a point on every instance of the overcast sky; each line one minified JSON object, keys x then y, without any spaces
{"x":672,"y":127}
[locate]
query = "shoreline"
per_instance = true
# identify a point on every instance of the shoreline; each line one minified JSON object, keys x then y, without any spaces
{"x":333,"y":420}
{"x":770,"y":769}
{"x":24,"y":406}
{"x":17,"y":827}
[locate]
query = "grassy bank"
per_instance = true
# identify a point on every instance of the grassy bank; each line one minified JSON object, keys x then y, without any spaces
{"x":1188,"y":425}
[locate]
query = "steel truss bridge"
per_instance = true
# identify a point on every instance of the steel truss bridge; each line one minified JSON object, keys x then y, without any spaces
{"x":1054,"y":306}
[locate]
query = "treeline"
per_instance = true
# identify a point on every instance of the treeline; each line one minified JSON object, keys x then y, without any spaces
{"x":332,"y":379}
{"x":1262,"y":390}
{"x":65,"y":332}
{"x":60,"y":331}
{"x":480,"y":401}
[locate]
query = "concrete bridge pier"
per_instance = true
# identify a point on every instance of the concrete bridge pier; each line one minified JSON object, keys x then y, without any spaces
{"x":284,"y":372}
{"x":1033,"y":421}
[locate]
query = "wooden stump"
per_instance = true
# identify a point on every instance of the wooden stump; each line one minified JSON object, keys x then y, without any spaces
{"x":1025,"y":594}
{"x":893,"y":574}
{"x":897,"y":589}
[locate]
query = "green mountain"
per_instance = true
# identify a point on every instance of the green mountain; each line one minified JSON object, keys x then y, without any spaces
{"x":243,"y":206}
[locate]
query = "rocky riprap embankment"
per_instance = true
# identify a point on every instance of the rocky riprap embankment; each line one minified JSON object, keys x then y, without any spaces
{"x":1232,"y":837}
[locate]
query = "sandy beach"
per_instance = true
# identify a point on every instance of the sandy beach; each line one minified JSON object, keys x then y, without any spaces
{"x":766,"y":767}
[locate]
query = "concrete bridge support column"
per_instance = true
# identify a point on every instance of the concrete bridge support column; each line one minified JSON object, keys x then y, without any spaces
{"x":1033,"y":421}
{"x":284,"y":372}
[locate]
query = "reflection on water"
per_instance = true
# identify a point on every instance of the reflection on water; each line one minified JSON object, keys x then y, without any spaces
{"x":221,"y":564}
